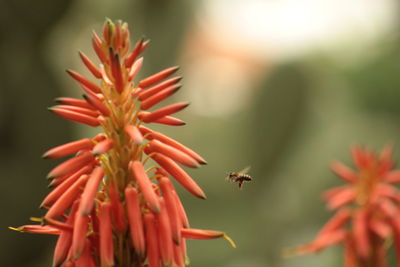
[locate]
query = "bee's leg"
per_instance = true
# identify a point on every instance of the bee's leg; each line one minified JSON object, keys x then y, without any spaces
{"x":240,"y":185}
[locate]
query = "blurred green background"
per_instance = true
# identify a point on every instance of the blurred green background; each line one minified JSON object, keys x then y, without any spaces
{"x":281,"y":85}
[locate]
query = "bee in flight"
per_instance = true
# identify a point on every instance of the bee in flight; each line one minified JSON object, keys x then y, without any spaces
{"x":239,"y":177}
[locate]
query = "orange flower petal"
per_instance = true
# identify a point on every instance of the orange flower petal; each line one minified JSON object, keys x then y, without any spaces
{"x":106,"y":237}
{"x":89,"y":193}
{"x":341,"y":198}
{"x":65,"y":239}
{"x":71,"y":165}
{"x":97,"y":46}
{"x":103,"y":146}
{"x":170,"y":83}
{"x":76,"y":116}
{"x":135,"y":69}
{"x":158,"y":97}
{"x":135,"y":220}
{"x":155,"y":78}
{"x":162,"y":112}
{"x":361,"y":234}
{"x":73,"y":102}
{"x":344,"y":172}
{"x":84,"y":111}
{"x":193,"y":233}
{"x":68,"y":149}
{"x":172,"y":207}
{"x":145,"y":185}
{"x":83,"y":81}
{"x":164,"y":234}
{"x":150,"y":134}
{"x":97,"y":103}
{"x":90,"y":65}
{"x":66,"y":199}
{"x":172,"y":153}
{"x":133,"y":132}
{"x":180,"y":175}
{"x":117,"y":214}
{"x":79,"y":235}
{"x":153,"y":253}
{"x":134,"y":54}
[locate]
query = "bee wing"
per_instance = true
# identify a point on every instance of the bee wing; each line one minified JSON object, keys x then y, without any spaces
{"x":245,"y":170}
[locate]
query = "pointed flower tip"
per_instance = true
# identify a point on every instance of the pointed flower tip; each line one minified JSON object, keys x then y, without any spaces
{"x":18,"y":229}
{"x":230,"y":240}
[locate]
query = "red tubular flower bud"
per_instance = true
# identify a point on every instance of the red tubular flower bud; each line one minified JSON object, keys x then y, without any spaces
{"x":181,"y":211}
{"x":89,"y":193}
{"x":65,"y":239}
{"x":168,"y":120}
{"x":179,"y":258}
{"x":116,"y":71}
{"x":155,"y":78}
{"x":71,"y":165}
{"x":341,"y":198}
{"x":150,"y":134}
{"x":172,"y":207}
{"x":37,"y":229}
{"x":86,"y":259}
{"x":392,"y":177}
{"x":344,"y":172}
{"x":135,"y":220}
{"x":170,"y":83}
{"x":68,"y":149}
{"x":192,"y":233}
{"x":98,"y":104}
{"x":83,"y":81}
{"x":180,"y":175}
{"x":337,"y":221}
{"x":350,"y":255}
{"x":80,"y":110}
{"x":117,"y":215}
{"x":103,"y":147}
{"x":361,"y":233}
{"x":172,"y":153}
{"x":66,"y":199}
{"x":106,"y":239}
{"x":158,"y":97}
{"x":90,"y":65}
{"x":76,"y":116}
{"x":133,"y":132}
{"x":57,"y":224}
{"x":325,"y":240}
{"x":63,"y":187}
{"x":134,"y":54}
{"x":380,"y":228}
{"x":153,"y":253}
{"x":164,"y":235}
{"x":79,"y":235}
{"x":162,"y":112}
{"x":135,"y":69}
{"x":145,"y":185}
{"x":97,"y":46}
{"x":60,"y":179}
{"x":73,"y":102}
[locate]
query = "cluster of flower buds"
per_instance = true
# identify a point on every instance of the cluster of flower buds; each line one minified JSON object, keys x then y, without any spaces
{"x":367,"y":210}
{"x":107,"y":206}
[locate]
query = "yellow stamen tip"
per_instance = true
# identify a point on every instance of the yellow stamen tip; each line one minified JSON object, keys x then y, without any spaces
{"x":229,"y":240}
{"x":18,"y":229}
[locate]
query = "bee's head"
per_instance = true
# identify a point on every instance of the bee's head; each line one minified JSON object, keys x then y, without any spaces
{"x":231,"y":175}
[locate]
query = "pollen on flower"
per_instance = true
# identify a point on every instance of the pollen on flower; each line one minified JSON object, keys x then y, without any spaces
{"x":105,"y":207}
{"x":366,"y":210}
